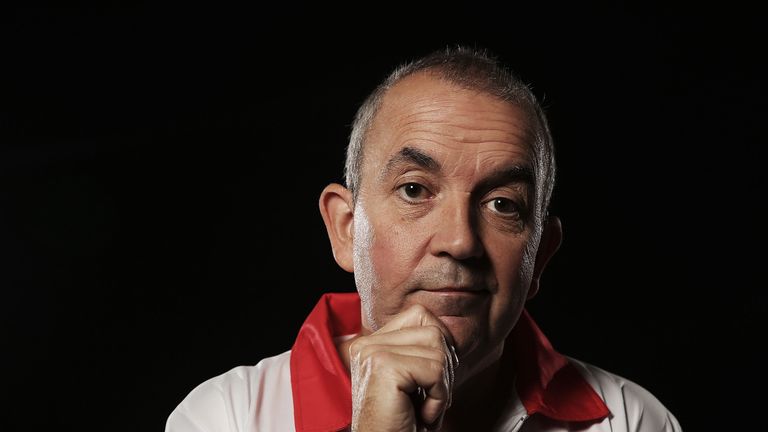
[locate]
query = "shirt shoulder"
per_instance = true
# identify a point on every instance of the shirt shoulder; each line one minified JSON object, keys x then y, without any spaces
{"x":244,"y":399}
{"x":632,"y":407}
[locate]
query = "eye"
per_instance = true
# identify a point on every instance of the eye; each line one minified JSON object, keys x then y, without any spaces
{"x":503,"y":206}
{"x":413,"y":192}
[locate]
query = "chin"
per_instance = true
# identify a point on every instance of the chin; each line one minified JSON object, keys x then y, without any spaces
{"x":465,"y":332}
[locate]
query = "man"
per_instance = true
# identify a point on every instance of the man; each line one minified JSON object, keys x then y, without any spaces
{"x":444,"y":223}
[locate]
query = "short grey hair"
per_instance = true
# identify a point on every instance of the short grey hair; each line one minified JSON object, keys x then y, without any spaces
{"x":474,"y":70}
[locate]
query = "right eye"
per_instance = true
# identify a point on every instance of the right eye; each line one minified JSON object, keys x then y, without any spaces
{"x":413,"y":192}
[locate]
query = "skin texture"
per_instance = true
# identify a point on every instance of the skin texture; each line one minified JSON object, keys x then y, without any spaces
{"x":446,"y":247}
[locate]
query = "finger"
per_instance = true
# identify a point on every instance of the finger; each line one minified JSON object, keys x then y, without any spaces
{"x":428,"y":406}
{"x":438,"y":395}
{"x":416,"y":316}
{"x":428,"y":336}
{"x":431,"y":375}
{"x":437,"y":355}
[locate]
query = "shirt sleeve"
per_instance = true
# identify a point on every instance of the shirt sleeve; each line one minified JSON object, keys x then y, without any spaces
{"x":217,"y":405}
{"x":632,"y":407}
{"x":245,"y":399}
{"x":644,"y":412}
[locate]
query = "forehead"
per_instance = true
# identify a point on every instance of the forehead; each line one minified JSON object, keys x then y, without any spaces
{"x":425,"y":111}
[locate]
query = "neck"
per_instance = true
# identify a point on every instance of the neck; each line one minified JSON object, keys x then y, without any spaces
{"x":479,"y":399}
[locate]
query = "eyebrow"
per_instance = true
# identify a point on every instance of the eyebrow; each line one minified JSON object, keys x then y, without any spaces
{"x":511,"y":175}
{"x":410,"y":155}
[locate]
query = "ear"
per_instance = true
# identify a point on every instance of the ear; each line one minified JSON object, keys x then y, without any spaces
{"x":336,"y":208}
{"x":551,"y":237}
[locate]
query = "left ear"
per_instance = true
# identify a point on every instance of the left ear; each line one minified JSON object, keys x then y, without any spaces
{"x":551,"y":237}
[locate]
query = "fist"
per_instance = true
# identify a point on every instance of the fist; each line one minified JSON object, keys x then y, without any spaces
{"x":403,"y":374}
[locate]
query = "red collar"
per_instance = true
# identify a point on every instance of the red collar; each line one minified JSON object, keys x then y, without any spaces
{"x":547,"y":382}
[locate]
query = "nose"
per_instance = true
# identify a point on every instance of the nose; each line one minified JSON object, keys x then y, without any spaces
{"x":456,"y":232}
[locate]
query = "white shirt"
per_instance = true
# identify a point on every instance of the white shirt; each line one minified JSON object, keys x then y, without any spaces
{"x":261,"y":398}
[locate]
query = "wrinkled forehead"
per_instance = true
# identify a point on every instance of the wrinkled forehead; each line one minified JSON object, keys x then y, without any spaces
{"x":423,"y":110}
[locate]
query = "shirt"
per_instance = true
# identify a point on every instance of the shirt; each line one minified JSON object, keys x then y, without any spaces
{"x":308,"y":389}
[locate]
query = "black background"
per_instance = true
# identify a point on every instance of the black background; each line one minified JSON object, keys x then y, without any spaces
{"x":160,"y":168}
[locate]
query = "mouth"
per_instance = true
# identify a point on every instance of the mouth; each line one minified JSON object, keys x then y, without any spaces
{"x":460,"y":301}
{"x":456,"y":291}
{"x":454,"y":303}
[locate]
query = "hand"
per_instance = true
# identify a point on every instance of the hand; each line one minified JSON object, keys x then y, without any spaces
{"x":403,"y":374}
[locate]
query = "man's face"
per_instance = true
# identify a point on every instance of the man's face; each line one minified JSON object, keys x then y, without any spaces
{"x":445,"y":215}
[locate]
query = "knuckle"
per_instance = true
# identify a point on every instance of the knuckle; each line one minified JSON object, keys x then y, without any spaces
{"x":366,"y":351}
{"x":435,"y":334}
{"x":437,"y":368}
{"x":356,"y":347}
{"x":438,"y":356}
{"x":377,"y":359}
{"x":419,"y":310}
{"x":437,"y":371}
{"x":441,"y":357}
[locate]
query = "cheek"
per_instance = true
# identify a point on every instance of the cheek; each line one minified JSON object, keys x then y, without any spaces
{"x":384,"y":258}
{"x":394,"y":254}
{"x":513,"y":261}
{"x":513,"y":268}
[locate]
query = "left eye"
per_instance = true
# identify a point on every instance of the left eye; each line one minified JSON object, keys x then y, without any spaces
{"x":503,"y":206}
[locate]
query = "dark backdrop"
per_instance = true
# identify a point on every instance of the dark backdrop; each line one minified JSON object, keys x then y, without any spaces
{"x":160,"y":169}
